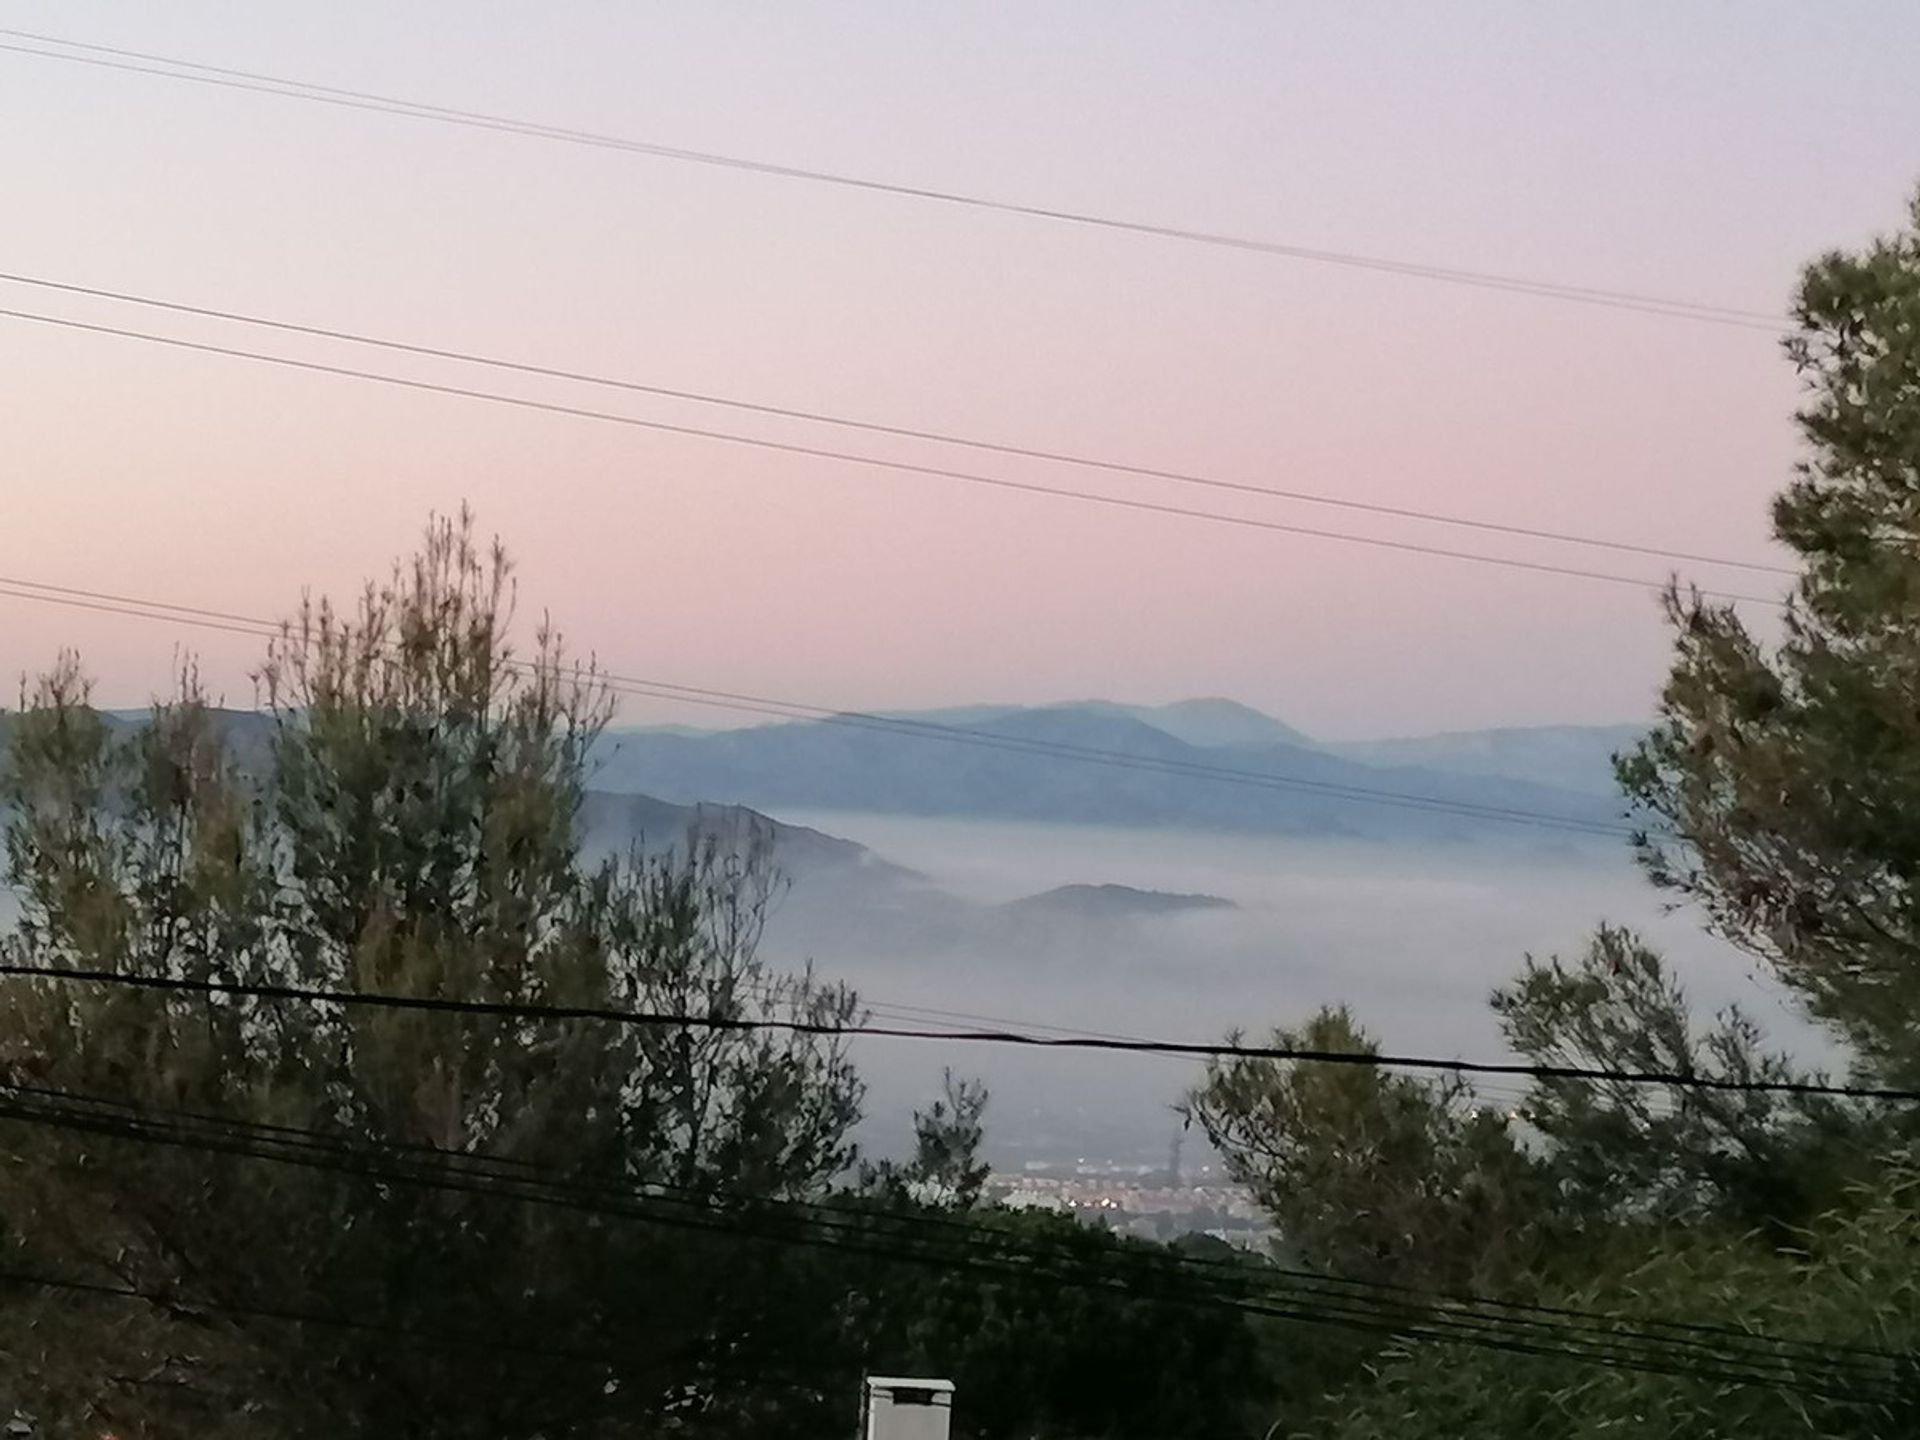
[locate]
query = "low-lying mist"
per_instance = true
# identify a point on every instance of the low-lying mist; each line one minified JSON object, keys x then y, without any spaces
{"x":1411,"y":937}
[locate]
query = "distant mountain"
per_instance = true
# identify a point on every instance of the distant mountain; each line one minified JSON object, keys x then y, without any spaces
{"x":1197,"y":722}
{"x":1206,"y":764}
{"x":249,"y":733}
{"x":615,"y":821}
{"x":1030,"y":764}
{"x":1113,"y":901}
{"x":612,"y":821}
{"x":1211,"y":722}
{"x":1571,"y":757}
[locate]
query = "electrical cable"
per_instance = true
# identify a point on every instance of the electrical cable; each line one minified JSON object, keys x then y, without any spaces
{"x":259,"y":83}
{"x":1423,"y":1298}
{"x":228,"y":621}
{"x":1318,"y":1310}
{"x":902,"y":432}
{"x":552,"y":1013}
{"x":941,"y":472}
{"x":176,"y":1301}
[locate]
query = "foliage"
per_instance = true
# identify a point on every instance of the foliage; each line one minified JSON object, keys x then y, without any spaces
{"x":1853,"y":1282}
{"x":411,"y":832}
{"x":1789,"y":776}
{"x":947,"y":1168}
{"x":1781,"y":788}
{"x":1370,"y":1174}
{"x":1667,"y":1202}
{"x":1625,"y":1151}
{"x":1105,"y":1336}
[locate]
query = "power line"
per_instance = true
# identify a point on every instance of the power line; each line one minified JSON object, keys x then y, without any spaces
{"x":549,"y":1013}
{"x":260,"y":83}
{"x":735,"y":701}
{"x":231,"y":622}
{"x":1438,"y":805}
{"x":932,"y":1221}
{"x":783,"y":447}
{"x":914,"y":1014}
{"x":175,"y":1301}
{"x":1846,"y":1387}
{"x":1839,"y":1372}
{"x":996,"y":1248}
{"x":899,"y":431}
{"x":155,"y":612}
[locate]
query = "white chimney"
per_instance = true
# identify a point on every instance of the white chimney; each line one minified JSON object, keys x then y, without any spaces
{"x":898,"y":1409}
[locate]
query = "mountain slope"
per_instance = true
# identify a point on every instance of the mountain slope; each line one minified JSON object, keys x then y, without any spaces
{"x":1572,"y":757}
{"x":1213,"y":721}
{"x":1031,"y":764}
{"x":611,"y":821}
{"x":1202,"y":722}
{"x":615,"y":821}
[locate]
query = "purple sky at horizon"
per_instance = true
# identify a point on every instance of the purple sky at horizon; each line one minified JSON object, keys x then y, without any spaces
{"x":1703,"y":152}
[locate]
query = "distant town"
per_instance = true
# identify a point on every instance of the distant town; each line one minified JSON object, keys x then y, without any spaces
{"x":1149,"y":1204}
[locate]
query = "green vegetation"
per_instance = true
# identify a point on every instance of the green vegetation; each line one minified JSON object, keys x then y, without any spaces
{"x":410,"y":833}
{"x":407,"y":826}
{"x":1781,"y":791}
{"x":676,"y":1234}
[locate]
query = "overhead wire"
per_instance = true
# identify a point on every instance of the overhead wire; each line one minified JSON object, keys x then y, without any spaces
{"x":1040,"y":747}
{"x":1126,"y":760}
{"x":1838,"y":1374}
{"x":175,"y":1300}
{"x":1846,"y":1387}
{"x":895,"y":431}
{"x":1600,"y":297}
{"x":167,"y":67}
{"x":916,"y":1219}
{"x":1130,"y":503}
{"x":900,"y":1010}
{"x":615,"y":1014}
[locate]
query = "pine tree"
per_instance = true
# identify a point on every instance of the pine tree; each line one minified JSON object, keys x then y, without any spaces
{"x":1783,"y":781}
{"x":402,"y":821}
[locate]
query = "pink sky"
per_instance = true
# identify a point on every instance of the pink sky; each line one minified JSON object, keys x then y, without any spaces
{"x":1703,"y":152}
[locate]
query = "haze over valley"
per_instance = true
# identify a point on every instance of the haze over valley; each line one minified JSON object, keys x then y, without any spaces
{"x":1007,"y":887}
{"x":1028,"y":888}
{"x":1167,"y":718}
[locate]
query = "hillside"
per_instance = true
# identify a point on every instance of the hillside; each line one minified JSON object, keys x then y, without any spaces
{"x":1211,"y":722}
{"x":1572,"y":757}
{"x":1229,"y":768}
{"x":611,"y":820}
{"x":614,"y":821}
{"x":1032,"y":764}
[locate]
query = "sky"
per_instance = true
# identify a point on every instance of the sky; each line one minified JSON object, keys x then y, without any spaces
{"x":1702,"y":151}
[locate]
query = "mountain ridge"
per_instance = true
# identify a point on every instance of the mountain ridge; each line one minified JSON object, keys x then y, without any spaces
{"x":1568,"y":756}
{"x":1032,"y":763}
{"x":1106,"y":763}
